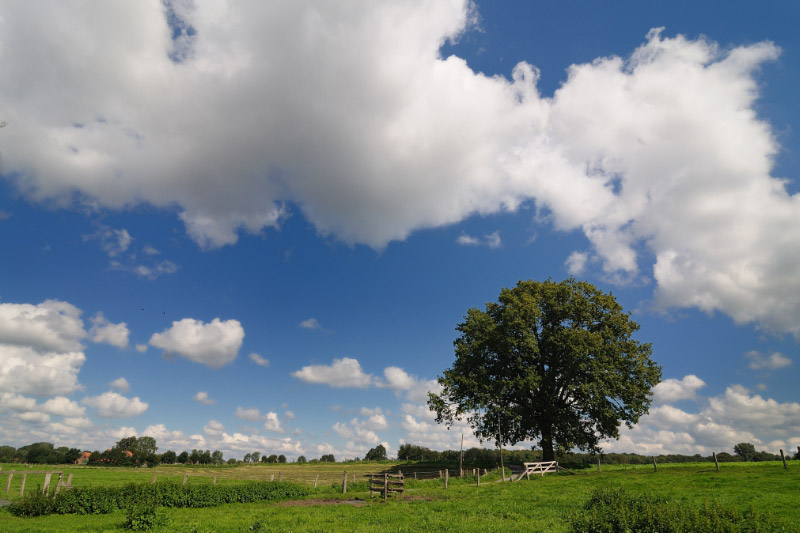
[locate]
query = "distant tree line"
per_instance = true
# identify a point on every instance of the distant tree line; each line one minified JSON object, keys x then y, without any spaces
{"x":490,"y":457}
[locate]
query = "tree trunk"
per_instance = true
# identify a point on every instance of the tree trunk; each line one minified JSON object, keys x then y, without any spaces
{"x":547,"y":446}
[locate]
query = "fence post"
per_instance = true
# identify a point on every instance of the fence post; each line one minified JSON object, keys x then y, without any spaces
{"x":60,"y":482}
{"x":479,"y":477}
{"x":385,"y":486}
{"x":153,"y":481}
{"x":716,"y":463}
{"x":69,"y":480}
{"x":440,"y":474}
{"x":22,"y":488}
{"x":784,"y":460}
{"x":272,"y":477}
{"x":280,"y":475}
{"x":215,"y":480}
{"x":446,"y":477}
{"x":344,"y":482}
{"x":185,"y":477}
{"x":654,"y":463}
{"x":415,"y":476}
{"x":46,"y":482}
{"x":598,"y":463}
{"x":8,"y":483}
{"x":315,"y":481}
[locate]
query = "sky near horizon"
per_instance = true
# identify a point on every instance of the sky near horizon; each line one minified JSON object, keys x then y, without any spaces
{"x":255,"y":226}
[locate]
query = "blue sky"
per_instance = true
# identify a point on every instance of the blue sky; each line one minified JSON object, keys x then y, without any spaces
{"x":256,"y":228}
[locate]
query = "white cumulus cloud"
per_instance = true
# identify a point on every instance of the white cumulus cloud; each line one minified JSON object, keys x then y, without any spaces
{"x":344,"y":372}
{"x":214,"y":344}
{"x":761,"y":361}
{"x":203,"y":398}
{"x":260,"y":361}
{"x":114,"y":405}
{"x":104,"y":331}
{"x":121,"y":384}
{"x":673,"y":390}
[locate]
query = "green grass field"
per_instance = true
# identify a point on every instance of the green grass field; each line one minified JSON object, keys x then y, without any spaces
{"x":541,"y":504}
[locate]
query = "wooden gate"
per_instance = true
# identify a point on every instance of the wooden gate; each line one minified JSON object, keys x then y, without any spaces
{"x":386,"y":483}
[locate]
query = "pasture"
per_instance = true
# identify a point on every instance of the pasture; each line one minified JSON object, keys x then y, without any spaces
{"x":541,"y":504}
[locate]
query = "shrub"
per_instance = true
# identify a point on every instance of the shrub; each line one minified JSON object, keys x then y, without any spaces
{"x":142,"y":516}
{"x":612,"y":510}
{"x":96,"y":500}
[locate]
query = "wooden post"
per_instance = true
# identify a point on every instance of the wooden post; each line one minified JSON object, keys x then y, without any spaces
{"x":344,"y":482}
{"x":446,"y":477}
{"x":440,"y":474}
{"x":153,"y":481}
{"x":654,"y":463}
{"x":215,"y":480}
{"x":479,"y":477}
{"x":280,"y":475}
{"x":598,"y":463}
{"x":784,"y":460}
{"x":185,"y":477}
{"x":272,"y":477}
{"x":315,"y":481}
{"x":716,"y":463}
{"x":484,"y":471}
{"x":385,"y":486}
{"x":415,"y":476}
{"x":22,"y":487}
{"x":8,"y":483}
{"x":69,"y":480}
{"x":46,"y":482}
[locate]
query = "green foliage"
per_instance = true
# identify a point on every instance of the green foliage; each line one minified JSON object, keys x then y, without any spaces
{"x":553,"y":362}
{"x":327,"y":458}
{"x":271,"y":459}
{"x":302,"y":459}
{"x":142,"y":516}
{"x":745,"y":450}
{"x":281,"y":458}
{"x":378,"y":453}
{"x":613,"y":510}
{"x":169,"y":457}
{"x":101,"y":500}
{"x":797,"y":455}
{"x":183,"y":457}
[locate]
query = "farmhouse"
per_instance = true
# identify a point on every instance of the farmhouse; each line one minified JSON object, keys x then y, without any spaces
{"x":83,"y":458}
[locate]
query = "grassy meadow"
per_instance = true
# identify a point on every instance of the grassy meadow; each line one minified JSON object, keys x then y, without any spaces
{"x":541,"y":504}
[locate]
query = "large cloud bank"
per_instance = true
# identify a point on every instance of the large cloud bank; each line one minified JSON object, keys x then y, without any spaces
{"x":349,"y":111}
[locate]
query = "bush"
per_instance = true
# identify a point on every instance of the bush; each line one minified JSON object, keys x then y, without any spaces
{"x":612,"y":510}
{"x":96,"y":500}
{"x":142,"y":516}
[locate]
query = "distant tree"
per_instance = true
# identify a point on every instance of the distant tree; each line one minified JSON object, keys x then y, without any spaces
{"x":745,"y":450}
{"x":255,"y":456}
{"x":127,"y":443}
{"x":281,"y":458}
{"x":72,"y":455}
{"x":39,"y":453}
{"x":246,"y":458}
{"x":272,"y":459}
{"x":549,"y":361}
{"x":169,"y":457}
{"x":378,"y":453}
{"x":328,"y":458}
{"x":216,"y":457}
{"x":725,"y":457}
{"x":194,"y":457}
{"x":205,"y":458}
{"x":232,"y":461}
{"x":183,"y":457}
{"x":797,"y":455}
{"x":144,"y":447}
{"x":7,"y":454}
{"x":302,"y":459}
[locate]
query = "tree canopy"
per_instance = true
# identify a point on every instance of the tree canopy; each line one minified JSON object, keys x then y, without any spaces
{"x":378,"y":453}
{"x":552,"y":362}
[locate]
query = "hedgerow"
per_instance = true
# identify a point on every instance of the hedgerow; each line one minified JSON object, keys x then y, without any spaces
{"x":100,"y":500}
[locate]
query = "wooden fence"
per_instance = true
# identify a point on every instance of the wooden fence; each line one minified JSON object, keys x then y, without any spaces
{"x":48,"y":474}
{"x":385,"y":484}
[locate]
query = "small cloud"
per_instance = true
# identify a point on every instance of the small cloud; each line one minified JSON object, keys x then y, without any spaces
{"x":288,"y":415}
{"x":311,"y":323}
{"x":252,"y":415}
{"x":121,"y":384}
{"x":214,"y":344}
{"x":260,"y":361}
{"x":760,"y":361}
{"x":271,"y":423}
{"x":149,"y":250}
{"x":4,"y":215}
{"x":113,"y":242}
{"x":203,"y":398}
{"x":153,"y":271}
{"x":672,"y":390}
{"x":761,"y":386}
{"x":141,"y":348}
{"x":344,"y":372}
{"x":106,"y":332}
{"x":113,"y":405}
{"x":492,"y":240}
{"x":576,"y":262}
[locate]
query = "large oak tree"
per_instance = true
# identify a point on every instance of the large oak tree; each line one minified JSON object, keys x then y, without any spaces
{"x":551,"y":362}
